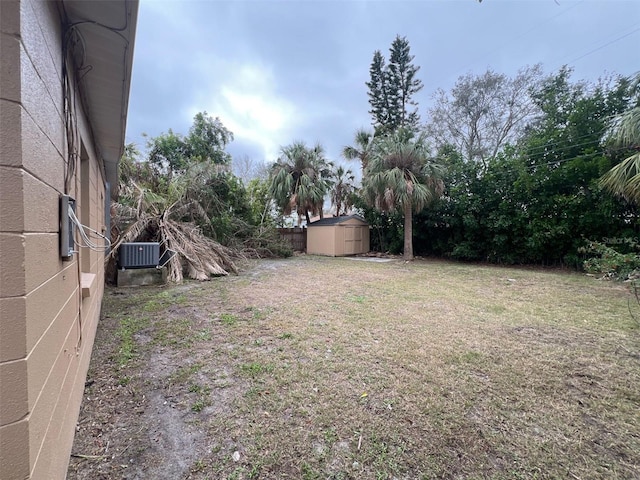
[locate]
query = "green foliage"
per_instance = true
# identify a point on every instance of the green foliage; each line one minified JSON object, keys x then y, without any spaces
{"x":611,"y":263}
{"x":171,"y":153}
{"x":299,"y":180}
{"x":401,"y":173}
{"x":624,"y":179}
{"x":259,"y":200}
{"x":378,"y":91}
{"x":391,"y":88}
{"x":536,"y":201}
{"x":207,"y":139}
{"x":402,"y":176}
{"x":168,"y":153}
{"x":386,"y":227}
{"x":403,"y":85}
{"x":362,"y":150}
{"x":342,"y":189}
{"x":185,"y":196}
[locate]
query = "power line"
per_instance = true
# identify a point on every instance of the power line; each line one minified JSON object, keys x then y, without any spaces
{"x":605,"y":45}
{"x":558,"y":162}
{"x":525,"y":33}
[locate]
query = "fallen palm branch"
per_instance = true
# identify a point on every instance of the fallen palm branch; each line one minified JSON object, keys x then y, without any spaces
{"x":197,"y":256}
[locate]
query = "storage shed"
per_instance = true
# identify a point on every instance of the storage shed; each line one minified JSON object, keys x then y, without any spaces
{"x":338,"y":236}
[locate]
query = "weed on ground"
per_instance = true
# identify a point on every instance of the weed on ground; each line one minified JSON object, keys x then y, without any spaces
{"x":322,"y":368}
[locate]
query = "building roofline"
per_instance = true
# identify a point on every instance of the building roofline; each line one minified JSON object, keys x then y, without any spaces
{"x":107,"y":29}
{"x":335,"y":220}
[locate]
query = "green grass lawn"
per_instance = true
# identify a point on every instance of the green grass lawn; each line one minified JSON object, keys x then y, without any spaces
{"x":321,"y":368}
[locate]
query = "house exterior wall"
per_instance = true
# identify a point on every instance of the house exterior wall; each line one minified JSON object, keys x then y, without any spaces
{"x":47,"y":320}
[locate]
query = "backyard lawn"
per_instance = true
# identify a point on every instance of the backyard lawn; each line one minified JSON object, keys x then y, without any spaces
{"x":323,"y":368}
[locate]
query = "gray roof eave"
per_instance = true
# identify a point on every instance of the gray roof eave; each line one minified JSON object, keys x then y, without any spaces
{"x":108,"y":30}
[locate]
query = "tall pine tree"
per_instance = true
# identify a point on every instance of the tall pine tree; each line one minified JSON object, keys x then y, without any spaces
{"x":392,"y":87}
{"x":378,"y":92}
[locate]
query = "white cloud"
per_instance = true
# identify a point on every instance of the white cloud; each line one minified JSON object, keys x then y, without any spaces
{"x":247,"y":103}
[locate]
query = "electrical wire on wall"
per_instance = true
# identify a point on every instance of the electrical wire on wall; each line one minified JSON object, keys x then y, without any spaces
{"x":76,"y":45}
{"x":85,"y":233}
{"x":73,"y":43}
{"x":74,"y":71}
{"x":70,"y":44}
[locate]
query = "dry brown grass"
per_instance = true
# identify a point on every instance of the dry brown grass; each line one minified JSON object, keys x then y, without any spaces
{"x":316,"y":368}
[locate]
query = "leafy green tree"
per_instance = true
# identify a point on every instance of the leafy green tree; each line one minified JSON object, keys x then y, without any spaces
{"x":300,"y":179}
{"x":260,"y":201}
{"x":401,"y":175}
{"x":387,"y":233}
{"x":538,"y":201}
{"x":207,"y":140}
{"x":392,"y":87}
{"x":342,"y":189}
{"x":168,"y":153}
{"x":172,"y":153}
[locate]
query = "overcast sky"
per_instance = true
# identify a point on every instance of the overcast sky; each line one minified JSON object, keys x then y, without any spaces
{"x":279,"y":71}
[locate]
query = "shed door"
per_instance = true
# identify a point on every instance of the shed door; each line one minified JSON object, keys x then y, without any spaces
{"x":352,"y":240}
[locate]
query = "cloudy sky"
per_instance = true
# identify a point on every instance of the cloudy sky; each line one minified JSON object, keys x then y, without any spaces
{"x":279,"y":71}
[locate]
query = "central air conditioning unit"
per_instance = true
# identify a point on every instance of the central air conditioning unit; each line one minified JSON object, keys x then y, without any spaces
{"x":139,"y":255}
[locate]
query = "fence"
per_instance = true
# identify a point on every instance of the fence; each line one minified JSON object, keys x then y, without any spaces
{"x":296,"y":236}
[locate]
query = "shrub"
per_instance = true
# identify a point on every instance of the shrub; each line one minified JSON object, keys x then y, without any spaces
{"x":610,"y":263}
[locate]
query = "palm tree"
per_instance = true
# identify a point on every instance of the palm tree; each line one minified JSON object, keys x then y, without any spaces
{"x":401,"y":174}
{"x":300,"y":180}
{"x":168,"y":217}
{"x":362,"y":149}
{"x":624,"y":178}
{"x":342,"y":189}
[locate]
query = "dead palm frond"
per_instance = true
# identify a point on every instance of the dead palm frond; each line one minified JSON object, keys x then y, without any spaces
{"x":166,"y":218}
{"x":196,"y":254}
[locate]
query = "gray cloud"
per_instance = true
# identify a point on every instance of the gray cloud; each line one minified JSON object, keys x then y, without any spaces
{"x":278,"y":71}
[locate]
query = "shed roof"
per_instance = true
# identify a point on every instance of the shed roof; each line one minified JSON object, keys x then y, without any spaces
{"x":336,"y":220}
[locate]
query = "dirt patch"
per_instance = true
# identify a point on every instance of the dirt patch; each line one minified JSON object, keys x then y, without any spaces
{"x":320,"y":368}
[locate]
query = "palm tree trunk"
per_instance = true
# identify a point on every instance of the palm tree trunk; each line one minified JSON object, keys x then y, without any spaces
{"x":408,"y":232}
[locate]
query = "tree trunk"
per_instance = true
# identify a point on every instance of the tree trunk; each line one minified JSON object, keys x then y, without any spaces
{"x":306,"y":216}
{"x":408,"y":232}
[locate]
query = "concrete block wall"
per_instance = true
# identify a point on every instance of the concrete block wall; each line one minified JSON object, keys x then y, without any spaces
{"x":47,"y":328}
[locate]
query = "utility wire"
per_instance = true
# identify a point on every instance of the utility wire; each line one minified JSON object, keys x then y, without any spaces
{"x":605,"y":45}
{"x":525,"y":33}
{"x":558,"y":162}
